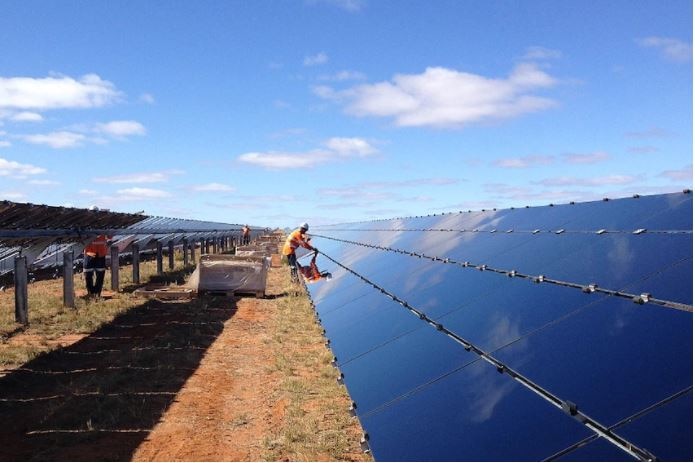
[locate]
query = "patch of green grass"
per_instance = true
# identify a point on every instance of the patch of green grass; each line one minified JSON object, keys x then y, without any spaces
{"x":317,"y":425}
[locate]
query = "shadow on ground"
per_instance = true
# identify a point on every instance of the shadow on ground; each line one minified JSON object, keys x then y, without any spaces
{"x":98,"y":399}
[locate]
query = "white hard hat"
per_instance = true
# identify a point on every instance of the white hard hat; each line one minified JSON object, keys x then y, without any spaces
{"x":304,"y":225}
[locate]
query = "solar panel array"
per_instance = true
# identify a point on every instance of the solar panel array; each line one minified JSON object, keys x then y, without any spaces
{"x":559,"y":332}
{"x":42,"y":233}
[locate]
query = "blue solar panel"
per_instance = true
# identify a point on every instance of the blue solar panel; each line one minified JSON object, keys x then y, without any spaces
{"x":465,"y":336}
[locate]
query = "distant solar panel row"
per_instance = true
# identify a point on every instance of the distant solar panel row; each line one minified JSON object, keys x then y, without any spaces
{"x":42,"y":232}
{"x":441,"y":342}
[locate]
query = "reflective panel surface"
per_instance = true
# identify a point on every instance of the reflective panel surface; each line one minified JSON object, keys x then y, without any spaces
{"x":421,"y":395}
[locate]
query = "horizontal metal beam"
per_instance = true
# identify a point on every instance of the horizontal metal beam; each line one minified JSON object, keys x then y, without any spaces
{"x":71,"y":232}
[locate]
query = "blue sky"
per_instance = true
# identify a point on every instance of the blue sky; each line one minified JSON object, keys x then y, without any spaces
{"x":275,"y":112}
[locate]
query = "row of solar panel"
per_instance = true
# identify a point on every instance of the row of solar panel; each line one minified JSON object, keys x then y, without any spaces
{"x":421,"y":396}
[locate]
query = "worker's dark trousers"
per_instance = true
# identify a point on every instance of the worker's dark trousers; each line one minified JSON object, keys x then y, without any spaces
{"x":292,"y":260}
{"x":92,"y":265}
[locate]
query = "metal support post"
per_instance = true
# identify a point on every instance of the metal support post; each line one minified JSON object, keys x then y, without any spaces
{"x":136,"y":264}
{"x":214,"y":245}
{"x":207,"y":246}
{"x":193,"y":252}
{"x":68,"y":279}
{"x":171,"y":255}
{"x":115,"y":268}
{"x":21,"y":296}
{"x":185,"y":252}
{"x":160,"y":263}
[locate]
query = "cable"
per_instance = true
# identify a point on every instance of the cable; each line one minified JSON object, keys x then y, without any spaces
{"x":642,"y":298}
{"x":622,"y":422}
{"x":567,"y":406}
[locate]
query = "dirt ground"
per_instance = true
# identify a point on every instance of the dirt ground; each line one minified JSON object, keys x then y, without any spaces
{"x":193,"y":381}
{"x":226,"y":407}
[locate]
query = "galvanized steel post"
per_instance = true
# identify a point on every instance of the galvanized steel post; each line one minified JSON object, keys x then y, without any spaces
{"x":68,"y":279}
{"x":171,"y":255}
{"x":136,"y":264}
{"x":185,"y":252}
{"x":21,"y":297}
{"x":115,"y":267}
{"x":160,"y":263}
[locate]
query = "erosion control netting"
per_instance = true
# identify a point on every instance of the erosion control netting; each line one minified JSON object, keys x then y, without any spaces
{"x":559,"y":332}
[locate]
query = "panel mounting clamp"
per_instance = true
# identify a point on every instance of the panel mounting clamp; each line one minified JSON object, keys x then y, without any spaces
{"x":639,"y":231}
{"x":642,"y":298}
{"x":590,"y":288}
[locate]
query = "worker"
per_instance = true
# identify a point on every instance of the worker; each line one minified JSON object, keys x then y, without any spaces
{"x":311,"y":272}
{"x":294,"y":240}
{"x":95,"y":261}
{"x":245,"y":235}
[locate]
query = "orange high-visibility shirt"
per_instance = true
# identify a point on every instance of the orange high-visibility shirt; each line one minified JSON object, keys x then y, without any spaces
{"x":296,"y":239}
{"x":98,"y":247}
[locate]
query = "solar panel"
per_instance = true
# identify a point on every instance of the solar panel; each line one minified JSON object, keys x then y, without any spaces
{"x":561,"y":332}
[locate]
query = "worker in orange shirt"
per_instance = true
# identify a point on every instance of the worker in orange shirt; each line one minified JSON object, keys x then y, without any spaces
{"x":296,"y":239}
{"x":245,"y":235}
{"x":311,"y":272}
{"x":95,"y":261}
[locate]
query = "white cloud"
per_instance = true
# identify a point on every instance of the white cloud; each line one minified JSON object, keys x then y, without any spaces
{"x":350,"y":146}
{"x":643,"y":149}
{"x":216,"y":187}
{"x":88,"y":192}
{"x":679,"y":175}
{"x":139,"y":177}
{"x":588,"y":158}
{"x":62,"y":92}
{"x":337,"y":148}
{"x":120,"y":129}
{"x":524,"y":162}
{"x":59,"y":140}
{"x":14,"y":168}
{"x":12,"y":195}
{"x":43,"y":182}
{"x":135,"y":193}
{"x":147,"y":98}
{"x":352,"y":6}
{"x":446,"y":98}
{"x":589,"y":182}
{"x":315,"y":60}
{"x":342,"y":76}
{"x":5,"y":144}
{"x":280,"y":160}
{"x":652,"y":132}
{"x":541,"y":53}
{"x":670,"y":48}
{"x":26,"y":116}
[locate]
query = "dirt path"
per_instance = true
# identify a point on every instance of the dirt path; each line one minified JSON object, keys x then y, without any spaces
{"x":235,"y":406}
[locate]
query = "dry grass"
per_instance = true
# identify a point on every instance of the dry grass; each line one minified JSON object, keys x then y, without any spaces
{"x":52,"y":325}
{"x":316,"y":425}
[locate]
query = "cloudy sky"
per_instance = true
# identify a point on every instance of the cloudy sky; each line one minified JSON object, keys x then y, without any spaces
{"x":273,"y":112}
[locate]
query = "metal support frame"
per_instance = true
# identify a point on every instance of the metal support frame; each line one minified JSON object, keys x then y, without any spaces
{"x":115,"y":267}
{"x":68,"y":279}
{"x":171,"y":254}
{"x":136,"y":264}
{"x":193,"y":252}
{"x":21,"y":295}
{"x":160,"y":263}
{"x":185,"y":252}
